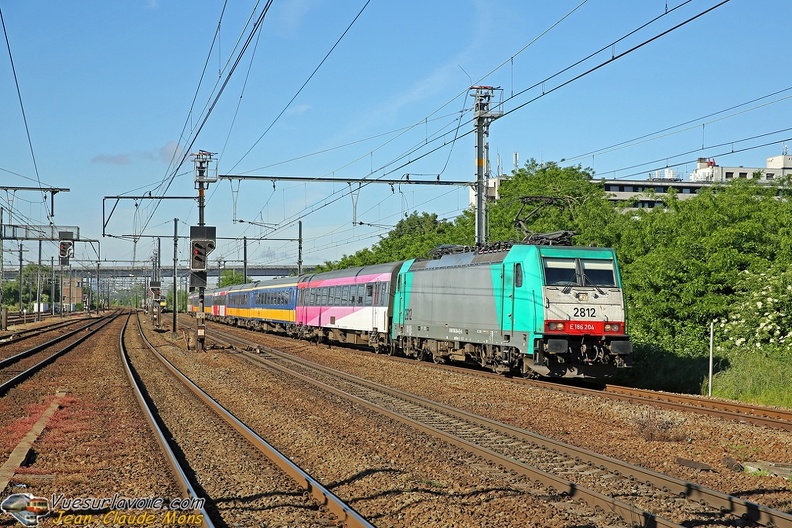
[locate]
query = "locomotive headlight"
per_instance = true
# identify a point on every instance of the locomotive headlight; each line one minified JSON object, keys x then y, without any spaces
{"x":555,"y":326}
{"x":611,"y":327}
{"x":582,"y":296}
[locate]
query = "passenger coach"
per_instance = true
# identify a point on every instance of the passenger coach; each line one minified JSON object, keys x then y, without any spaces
{"x":350,"y":306}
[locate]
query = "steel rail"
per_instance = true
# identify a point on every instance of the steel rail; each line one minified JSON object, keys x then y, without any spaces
{"x":322,"y":495}
{"x":563,"y":486}
{"x":16,"y":337}
{"x":736,"y":411}
{"x":38,"y":348}
{"x":726,"y":503}
{"x":177,"y":470}
{"x":8,"y":385}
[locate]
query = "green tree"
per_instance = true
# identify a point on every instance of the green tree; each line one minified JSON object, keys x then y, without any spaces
{"x":682,"y":267}
{"x":414,"y":236}
{"x":230,"y":277}
{"x":579,"y":205}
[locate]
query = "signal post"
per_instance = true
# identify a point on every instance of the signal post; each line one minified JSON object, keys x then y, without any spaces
{"x":202,"y":241}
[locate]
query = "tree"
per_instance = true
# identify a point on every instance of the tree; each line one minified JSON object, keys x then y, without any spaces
{"x":230,"y":277}
{"x":579,"y":205}
{"x":412,"y":237}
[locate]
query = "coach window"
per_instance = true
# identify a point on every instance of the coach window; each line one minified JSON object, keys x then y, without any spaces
{"x":345,"y":300}
{"x":361,"y":292}
{"x":518,"y":278}
{"x":384,"y":297}
{"x":369,"y":294}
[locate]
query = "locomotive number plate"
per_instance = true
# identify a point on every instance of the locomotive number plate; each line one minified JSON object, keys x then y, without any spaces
{"x":584,"y":311}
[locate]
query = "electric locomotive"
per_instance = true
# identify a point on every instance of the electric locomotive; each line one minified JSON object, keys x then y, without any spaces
{"x":555,"y":311}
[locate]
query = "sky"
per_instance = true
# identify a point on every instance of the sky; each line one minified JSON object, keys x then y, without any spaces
{"x":110,"y":99}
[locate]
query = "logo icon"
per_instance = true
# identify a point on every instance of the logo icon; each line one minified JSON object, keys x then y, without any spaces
{"x":25,"y":508}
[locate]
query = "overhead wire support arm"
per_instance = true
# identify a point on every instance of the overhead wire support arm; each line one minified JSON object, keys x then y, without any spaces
{"x":405,"y":180}
{"x":106,"y":218}
{"x":52,"y":190}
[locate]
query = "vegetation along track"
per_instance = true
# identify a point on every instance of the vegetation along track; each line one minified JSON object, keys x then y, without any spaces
{"x":238,"y":472}
{"x":637,"y":494}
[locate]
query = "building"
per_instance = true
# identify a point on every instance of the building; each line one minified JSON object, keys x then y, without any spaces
{"x":710,"y":172}
{"x":650,"y":193}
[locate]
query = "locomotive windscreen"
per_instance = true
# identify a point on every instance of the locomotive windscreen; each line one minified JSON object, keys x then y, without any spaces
{"x":598,"y":273}
{"x":578,"y":272}
{"x":560,"y":272}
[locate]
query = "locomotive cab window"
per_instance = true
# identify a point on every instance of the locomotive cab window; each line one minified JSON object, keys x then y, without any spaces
{"x":560,"y":272}
{"x":598,"y":273}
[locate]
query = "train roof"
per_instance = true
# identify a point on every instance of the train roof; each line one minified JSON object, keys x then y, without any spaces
{"x":273,"y":283}
{"x":471,"y":258}
{"x":353,"y":272}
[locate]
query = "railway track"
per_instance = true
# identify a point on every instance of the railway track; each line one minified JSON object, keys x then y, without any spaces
{"x":638,"y":495}
{"x":780,"y":419}
{"x":22,"y":365}
{"x":178,"y":470}
{"x":208,"y":415}
{"x":773,"y":418}
{"x":15,"y":337}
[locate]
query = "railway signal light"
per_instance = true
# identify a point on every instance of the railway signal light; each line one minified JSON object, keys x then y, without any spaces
{"x":65,"y":248}
{"x":200,"y":250}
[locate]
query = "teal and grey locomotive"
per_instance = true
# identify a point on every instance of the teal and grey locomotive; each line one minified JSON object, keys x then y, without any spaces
{"x":555,"y":311}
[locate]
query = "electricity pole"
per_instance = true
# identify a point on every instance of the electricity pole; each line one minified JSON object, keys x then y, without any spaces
{"x":483,"y":116}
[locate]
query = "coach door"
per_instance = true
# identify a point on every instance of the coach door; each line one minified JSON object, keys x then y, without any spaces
{"x":375,"y":301}
{"x":510,"y":274}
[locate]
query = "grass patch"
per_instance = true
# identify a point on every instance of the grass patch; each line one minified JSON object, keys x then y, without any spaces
{"x":755,"y":379}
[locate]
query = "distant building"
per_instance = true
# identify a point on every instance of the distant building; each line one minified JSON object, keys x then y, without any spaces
{"x":708,"y":171}
{"x":651,"y":192}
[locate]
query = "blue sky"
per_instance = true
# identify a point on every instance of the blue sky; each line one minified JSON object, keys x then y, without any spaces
{"x":111,"y":90}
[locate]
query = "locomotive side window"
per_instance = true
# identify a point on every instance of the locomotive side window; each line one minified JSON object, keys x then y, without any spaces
{"x":518,"y":278}
{"x":560,"y":272}
{"x":598,"y":273}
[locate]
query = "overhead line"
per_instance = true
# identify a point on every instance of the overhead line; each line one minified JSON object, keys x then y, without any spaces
{"x":299,"y":91}
{"x":24,"y":115}
{"x":667,"y":129}
{"x":253,"y":32}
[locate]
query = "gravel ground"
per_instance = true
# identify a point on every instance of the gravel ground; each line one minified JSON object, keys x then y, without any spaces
{"x":98,"y":444}
{"x":391,"y":474}
{"x":620,"y":430}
